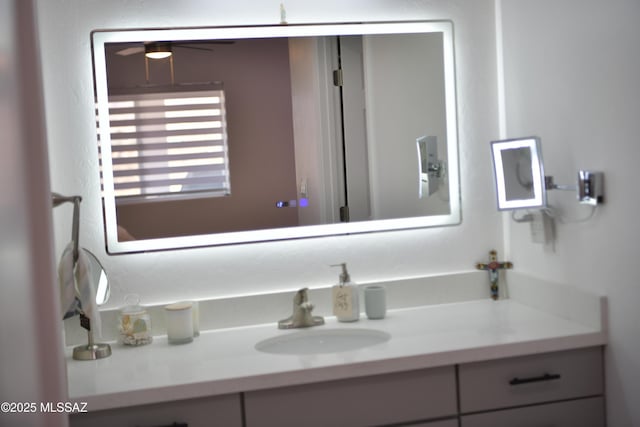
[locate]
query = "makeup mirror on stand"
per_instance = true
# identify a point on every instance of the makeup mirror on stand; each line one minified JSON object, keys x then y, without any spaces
{"x":83,"y":285}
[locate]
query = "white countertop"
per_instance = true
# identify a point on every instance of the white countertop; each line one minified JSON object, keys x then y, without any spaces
{"x":224,"y":361}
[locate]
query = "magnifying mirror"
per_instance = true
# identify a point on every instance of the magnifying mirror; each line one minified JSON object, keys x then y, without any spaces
{"x":103,"y":291}
{"x":93,"y":350}
{"x":519,"y":173}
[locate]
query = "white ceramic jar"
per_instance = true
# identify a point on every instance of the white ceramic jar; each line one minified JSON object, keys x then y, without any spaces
{"x":179,"y":322}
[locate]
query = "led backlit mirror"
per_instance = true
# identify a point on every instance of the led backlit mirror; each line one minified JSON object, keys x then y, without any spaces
{"x":518,"y":173}
{"x":297,"y":149}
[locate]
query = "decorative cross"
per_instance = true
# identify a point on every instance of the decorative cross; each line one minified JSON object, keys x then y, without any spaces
{"x":492,"y":267}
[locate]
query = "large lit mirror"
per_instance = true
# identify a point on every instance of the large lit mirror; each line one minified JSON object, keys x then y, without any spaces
{"x":518,"y":173}
{"x":250,"y":134}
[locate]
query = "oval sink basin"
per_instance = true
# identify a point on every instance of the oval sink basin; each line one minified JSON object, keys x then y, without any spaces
{"x":319,"y":341}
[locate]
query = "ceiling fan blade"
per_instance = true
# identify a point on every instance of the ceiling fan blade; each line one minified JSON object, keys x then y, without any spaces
{"x":192,"y":42}
{"x":130,"y":51}
{"x":192,"y":47}
{"x":189,"y":45}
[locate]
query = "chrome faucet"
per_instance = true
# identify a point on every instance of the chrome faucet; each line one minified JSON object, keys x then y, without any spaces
{"x":301,"y":317}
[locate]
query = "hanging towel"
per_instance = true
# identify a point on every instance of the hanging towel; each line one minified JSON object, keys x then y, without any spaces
{"x":68,"y":299}
{"x":78,"y":287}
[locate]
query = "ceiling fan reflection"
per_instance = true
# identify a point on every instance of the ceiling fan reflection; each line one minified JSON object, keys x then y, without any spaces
{"x":148,"y":48}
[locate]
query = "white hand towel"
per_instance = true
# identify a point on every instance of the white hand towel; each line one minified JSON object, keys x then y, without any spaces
{"x":79,"y":284}
{"x":87,"y":288}
{"x":66,"y":280}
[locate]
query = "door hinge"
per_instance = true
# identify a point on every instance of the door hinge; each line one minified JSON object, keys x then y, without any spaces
{"x":344,"y":213}
{"x":337,"y":77}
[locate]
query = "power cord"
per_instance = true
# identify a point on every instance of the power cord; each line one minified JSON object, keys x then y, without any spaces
{"x":528,"y":217}
{"x":555,"y":214}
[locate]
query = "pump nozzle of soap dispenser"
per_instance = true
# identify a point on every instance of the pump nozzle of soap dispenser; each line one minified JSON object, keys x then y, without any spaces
{"x":344,"y":276}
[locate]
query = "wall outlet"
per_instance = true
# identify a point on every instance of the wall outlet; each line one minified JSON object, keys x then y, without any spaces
{"x":542,"y":227}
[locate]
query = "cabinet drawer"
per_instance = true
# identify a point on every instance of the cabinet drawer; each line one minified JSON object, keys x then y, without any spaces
{"x":222,"y":411}
{"x":531,"y":379}
{"x":370,"y":401}
{"x":575,"y":413}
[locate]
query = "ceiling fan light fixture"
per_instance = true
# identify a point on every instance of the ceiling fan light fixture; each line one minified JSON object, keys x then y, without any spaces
{"x":157,"y":50}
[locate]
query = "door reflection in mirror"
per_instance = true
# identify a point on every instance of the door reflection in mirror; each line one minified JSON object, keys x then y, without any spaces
{"x":431,"y":170}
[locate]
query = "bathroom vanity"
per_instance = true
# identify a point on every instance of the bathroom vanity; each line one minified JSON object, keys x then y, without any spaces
{"x":533,"y":359}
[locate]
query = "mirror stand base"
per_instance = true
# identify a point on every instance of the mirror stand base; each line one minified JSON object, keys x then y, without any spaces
{"x":91,"y":352}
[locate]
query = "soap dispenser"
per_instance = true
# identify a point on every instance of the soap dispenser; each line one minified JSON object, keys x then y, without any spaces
{"x":346,"y":305}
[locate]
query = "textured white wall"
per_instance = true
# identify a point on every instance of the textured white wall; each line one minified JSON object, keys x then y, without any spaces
{"x":571,"y":73}
{"x":65,"y":27}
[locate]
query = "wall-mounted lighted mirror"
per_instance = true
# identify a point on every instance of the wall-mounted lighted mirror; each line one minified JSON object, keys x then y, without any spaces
{"x":519,"y":173}
{"x":250,"y":134}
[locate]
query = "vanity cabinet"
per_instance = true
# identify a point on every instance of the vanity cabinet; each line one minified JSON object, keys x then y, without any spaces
{"x":369,"y":401}
{"x":217,"y":411}
{"x":563,"y":389}
{"x":556,"y":389}
{"x":560,"y":389}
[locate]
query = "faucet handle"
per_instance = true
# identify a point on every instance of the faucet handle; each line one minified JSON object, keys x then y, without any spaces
{"x":301,"y":296}
{"x":307,"y":306}
{"x":301,"y":300}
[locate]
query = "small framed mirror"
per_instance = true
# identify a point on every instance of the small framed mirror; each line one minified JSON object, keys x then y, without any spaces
{"x":519,"y":173}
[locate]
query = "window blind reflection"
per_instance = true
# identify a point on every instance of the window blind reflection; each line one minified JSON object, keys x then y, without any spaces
{"x":169,"y":144}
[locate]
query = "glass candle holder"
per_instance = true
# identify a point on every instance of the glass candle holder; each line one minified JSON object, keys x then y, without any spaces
{"x":134,"y":323}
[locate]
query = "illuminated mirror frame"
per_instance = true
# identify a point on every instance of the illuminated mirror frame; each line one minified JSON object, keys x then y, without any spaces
{"x":539,"y":198}
{"x":100,"y":38}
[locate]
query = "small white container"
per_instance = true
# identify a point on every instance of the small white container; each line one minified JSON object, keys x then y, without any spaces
{"x":375,"y":301}
{"x":179,"y":322}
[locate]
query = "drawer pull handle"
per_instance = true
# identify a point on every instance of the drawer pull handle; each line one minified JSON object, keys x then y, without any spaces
{"x":545,"y":377}
{"x":175,"y":424}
